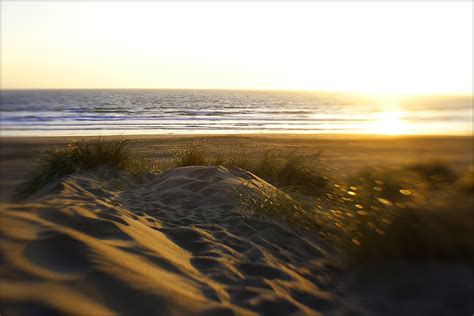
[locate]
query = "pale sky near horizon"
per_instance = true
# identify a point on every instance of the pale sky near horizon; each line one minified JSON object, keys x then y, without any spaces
{"x":397,"y":48}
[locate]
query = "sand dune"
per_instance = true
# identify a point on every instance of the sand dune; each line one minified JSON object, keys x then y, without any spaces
{"x":178,"y":243}
{"x":175,"y":244}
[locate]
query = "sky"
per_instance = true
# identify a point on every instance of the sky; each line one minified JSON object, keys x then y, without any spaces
{"x":395,"y":48}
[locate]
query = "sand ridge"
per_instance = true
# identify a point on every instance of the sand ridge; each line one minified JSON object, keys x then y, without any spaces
{"x":178,"y":243}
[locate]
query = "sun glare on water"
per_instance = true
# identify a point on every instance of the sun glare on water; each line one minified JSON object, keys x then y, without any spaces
{"x":389,"y":123}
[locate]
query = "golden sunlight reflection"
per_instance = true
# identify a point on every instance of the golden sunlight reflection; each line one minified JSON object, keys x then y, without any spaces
{"x":389,"y":123}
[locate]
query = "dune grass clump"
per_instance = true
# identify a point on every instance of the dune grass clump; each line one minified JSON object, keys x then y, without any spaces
{"x":398,"y":214}
{"x":416,"y":213}
{"x":281,"y":207}
{"x":293,"y":172}
{"x":140,"y":165}
{"x":466,"y":182}
{"x":191,"y":156}
{"x":84,"y":155}
{"x":288,"y":171}
{"x":434,"y":171}
{"x":419,"y":234}
{"x":241,"y":161}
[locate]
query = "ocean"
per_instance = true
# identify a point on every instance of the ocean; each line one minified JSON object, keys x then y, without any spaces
{"x":125,"y":112}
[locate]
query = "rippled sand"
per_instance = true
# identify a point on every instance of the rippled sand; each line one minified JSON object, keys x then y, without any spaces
{"x":176,"y":244}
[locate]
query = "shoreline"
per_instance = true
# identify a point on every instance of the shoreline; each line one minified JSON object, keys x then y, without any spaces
{"x":248,"y":135}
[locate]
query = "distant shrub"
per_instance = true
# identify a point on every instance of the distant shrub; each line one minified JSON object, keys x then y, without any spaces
{"x":84,"y":155}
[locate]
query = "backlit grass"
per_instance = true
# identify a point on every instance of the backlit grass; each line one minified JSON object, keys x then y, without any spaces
{"x":84,"y":155}
{"x":389,"y":214}
{"x":289,"y":171}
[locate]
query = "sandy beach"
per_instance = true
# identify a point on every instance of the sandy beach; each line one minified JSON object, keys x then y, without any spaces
{"x":183,"y":242}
